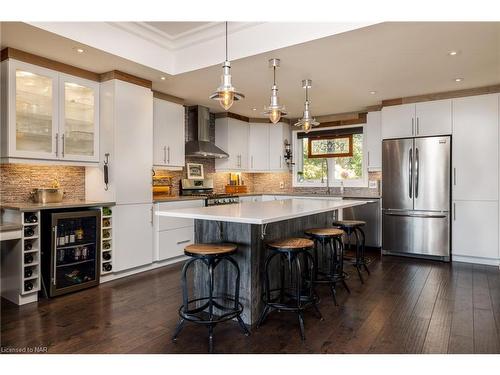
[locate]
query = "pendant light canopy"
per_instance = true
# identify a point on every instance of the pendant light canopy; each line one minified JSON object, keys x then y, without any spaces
{"x":226,"y":94}
{"x":274,"y":110}
{"x":307,"y":121}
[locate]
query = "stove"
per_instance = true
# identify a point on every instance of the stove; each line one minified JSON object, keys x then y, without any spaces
{"x":205,"y":189}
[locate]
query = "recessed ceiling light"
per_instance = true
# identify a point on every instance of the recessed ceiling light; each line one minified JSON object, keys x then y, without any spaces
{"x":80,"y":50}
{"x":254,"y":109}
{"x":373,"y":92}
{"x":459,"y":79}
{"x":453,"y":53}
{"x":163,"y":78}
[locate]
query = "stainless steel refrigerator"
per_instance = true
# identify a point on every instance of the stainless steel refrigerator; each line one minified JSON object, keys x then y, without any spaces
{"x":416,"y":197}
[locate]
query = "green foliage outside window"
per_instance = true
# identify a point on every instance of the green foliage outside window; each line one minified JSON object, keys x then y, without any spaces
{"x":345,"y":168}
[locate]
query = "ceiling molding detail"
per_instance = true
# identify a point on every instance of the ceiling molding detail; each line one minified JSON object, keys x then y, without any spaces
{"x":194,"y":49}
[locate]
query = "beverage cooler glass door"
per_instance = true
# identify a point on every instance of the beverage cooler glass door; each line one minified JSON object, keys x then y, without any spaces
{"x":75,"y":259}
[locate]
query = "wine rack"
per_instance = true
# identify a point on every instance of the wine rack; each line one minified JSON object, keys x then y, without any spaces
{"x":30,"y":244}
{"x":107,"y":241}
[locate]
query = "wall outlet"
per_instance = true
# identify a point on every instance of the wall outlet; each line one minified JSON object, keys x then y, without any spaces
{"x":373,"y":184}
{"x":282,"y":185}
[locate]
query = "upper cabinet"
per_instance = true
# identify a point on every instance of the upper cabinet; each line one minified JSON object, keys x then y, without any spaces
{"x":258,"y":146}
{"x":374,"y":141}
{"x":49,"y":116}
{"x":279,"y":134}
{"x":231,"y":135}
{"x":417,"y":120}
{"x":168,"y":134}
{"x":475,"y":147}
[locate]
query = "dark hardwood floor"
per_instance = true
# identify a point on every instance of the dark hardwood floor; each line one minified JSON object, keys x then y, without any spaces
{"x":405,"y":306}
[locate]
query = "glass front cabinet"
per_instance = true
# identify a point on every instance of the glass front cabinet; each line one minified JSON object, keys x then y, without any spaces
{"x":50,"y":115}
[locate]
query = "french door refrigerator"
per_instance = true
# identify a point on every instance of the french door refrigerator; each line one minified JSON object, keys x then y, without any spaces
{"x":416,"y":197}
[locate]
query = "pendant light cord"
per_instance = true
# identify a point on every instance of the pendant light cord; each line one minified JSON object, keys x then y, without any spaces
{"x":226,"y":40}
{"x":274,"y":75}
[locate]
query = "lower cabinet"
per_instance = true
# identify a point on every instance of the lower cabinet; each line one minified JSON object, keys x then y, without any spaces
{"x":475,"y":230}
{"x":171,"y":243}
{"x":171,"y":234}
{"x":133,"y":232}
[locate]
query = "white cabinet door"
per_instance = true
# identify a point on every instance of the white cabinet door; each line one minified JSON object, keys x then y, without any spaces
{"x":133,"y":236}
{"x":475,"y":148}
{"x":172,"y":242}
{"x":133,"y":135}
{"x":168,"y":133}
{"x":231,"y":135}
{"x":278,"y":134}
{"x":32,"y":116}
{"x":433,"y":118}
{"x":239,"y":139}
{"x":475,"y":229}
{"x":78,"y":119}
{"x":258,"y":146}
{"x":374,"y":141}
{"x":398,"y":121}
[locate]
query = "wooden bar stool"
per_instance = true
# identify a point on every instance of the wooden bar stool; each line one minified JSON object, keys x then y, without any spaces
{"x":295,"y":292}
{"x":212,"y":309}
{"x":353,"y":227}
{"x":329,"y":260}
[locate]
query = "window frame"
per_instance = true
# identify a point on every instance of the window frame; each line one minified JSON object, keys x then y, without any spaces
{"x":360,"y":182}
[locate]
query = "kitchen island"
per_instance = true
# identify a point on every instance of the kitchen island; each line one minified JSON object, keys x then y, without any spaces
{"x":249,"y":225}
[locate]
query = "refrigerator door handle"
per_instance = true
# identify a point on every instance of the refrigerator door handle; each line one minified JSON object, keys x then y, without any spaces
{"x":434,"y":216}
{"x":410,"y":173}
{"x":417,"y":172}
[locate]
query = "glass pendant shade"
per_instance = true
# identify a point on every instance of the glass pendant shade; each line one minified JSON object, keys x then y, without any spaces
{"x":307,"y":122}
{"x":274,"y":111}
{"x":226,"y":94}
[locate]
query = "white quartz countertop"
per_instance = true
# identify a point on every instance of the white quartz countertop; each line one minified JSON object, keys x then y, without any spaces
{"x":262,"y":212}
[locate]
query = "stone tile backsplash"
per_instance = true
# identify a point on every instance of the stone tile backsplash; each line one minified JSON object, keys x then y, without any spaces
{"x":18,"y":180}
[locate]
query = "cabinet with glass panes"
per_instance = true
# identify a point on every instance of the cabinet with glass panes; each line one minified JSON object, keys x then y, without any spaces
{"x":50,"y":115}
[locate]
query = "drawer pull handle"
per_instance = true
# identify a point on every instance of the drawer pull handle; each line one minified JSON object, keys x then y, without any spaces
{"x":181,"y":242}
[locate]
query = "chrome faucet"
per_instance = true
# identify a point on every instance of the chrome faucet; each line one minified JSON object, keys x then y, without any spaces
{"x":325,"y":162}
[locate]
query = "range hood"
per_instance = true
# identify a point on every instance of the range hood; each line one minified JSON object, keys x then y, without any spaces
{"x":198,"y":144}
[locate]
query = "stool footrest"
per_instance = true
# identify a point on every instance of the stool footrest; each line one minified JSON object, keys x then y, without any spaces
{"x":201,"y":316}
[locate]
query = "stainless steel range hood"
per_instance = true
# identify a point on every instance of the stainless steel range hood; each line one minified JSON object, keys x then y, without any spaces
{"x":198,"y":144}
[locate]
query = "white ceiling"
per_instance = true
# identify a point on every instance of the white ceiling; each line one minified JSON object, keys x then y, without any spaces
{"x":394,"y":59}
{"x":177,"y":29}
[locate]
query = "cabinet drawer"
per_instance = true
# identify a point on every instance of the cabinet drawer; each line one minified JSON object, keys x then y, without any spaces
{"x":169,"y":223}
{"x":172,"y":242}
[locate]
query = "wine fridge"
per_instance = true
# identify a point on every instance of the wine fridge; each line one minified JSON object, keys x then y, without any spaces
{"x":70,"y":250}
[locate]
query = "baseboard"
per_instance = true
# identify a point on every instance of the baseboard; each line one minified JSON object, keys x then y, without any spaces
{"x":134,"y":271}
{"x":476,"y":260}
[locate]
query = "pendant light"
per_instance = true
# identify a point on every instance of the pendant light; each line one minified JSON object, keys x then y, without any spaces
{"x":225,"y":93}
{"x":274,"y":110}
{"x":307,"y":121}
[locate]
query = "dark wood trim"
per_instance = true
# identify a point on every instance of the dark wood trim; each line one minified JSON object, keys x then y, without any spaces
{"x":374,"y":108}
{"x":122,"y":76}
{"x":361,"y":119}
{"x":310,"y":139}
{"x":167,"y":97}
{"x":232,"y":115}
{"x":492,"y":89}
{"x":12,"y":53}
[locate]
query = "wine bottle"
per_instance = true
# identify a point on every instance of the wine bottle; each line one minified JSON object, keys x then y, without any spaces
{"x":28,"y":272}
{"x":30,"y":218}
{"x":29,"y":232}
{"x":107,"y":267}
{"x":28,"y":245}
{"x":61,"y":236}
{"x":106,"y":256}
{"x":106,"y":245}
{"x":28,"y":285}
{"x":28,"y":258}
{"x":66,"y":236}
{"x":72,"y":236}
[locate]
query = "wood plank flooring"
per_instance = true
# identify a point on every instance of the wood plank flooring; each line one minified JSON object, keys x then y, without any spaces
{"x":405,"y":306}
